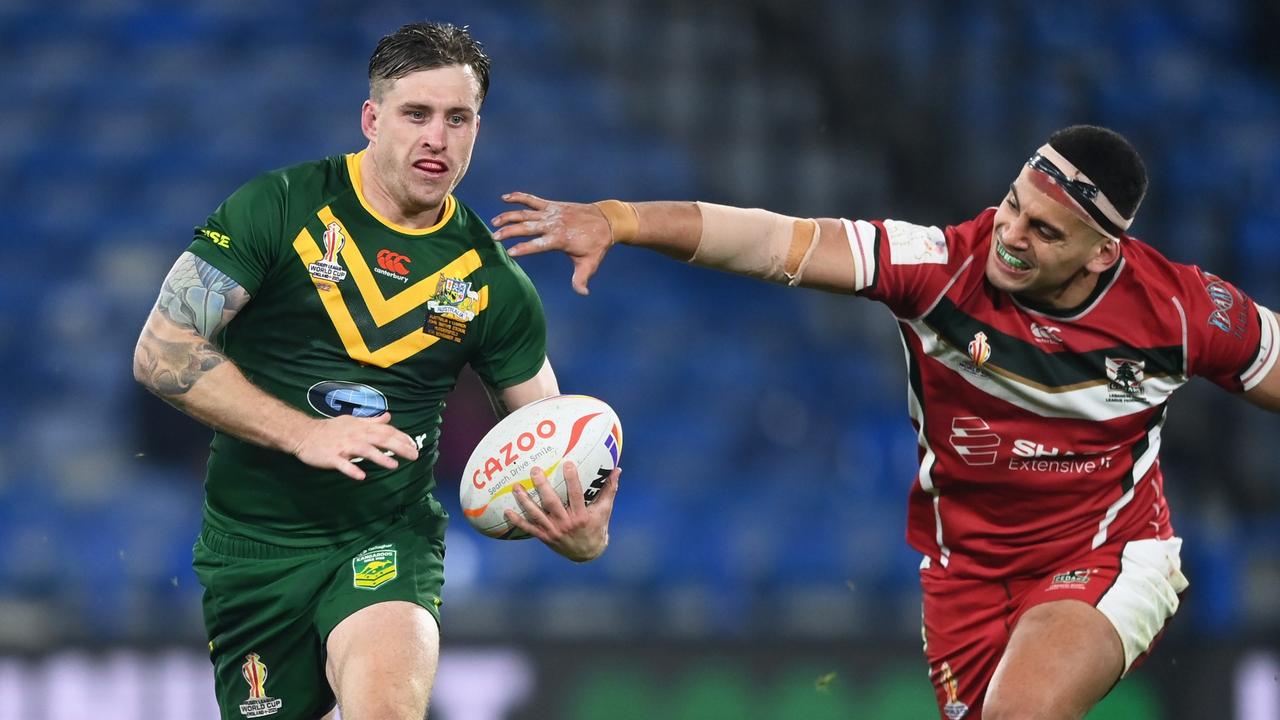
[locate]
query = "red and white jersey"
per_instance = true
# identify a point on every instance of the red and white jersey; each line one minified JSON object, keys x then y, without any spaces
{"x":1039,"y":430}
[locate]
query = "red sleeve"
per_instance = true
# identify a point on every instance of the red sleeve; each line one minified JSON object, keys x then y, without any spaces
{"x":1231,"y":340}
{"x":907,"y":266}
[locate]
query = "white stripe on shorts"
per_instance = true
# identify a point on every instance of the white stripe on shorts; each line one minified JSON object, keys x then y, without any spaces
{"x":1145,"y":593}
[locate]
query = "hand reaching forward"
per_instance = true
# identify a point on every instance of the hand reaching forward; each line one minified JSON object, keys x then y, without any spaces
{"x":338,"y":443}
{"x":577,"y":229}
{"x":579,"y":532}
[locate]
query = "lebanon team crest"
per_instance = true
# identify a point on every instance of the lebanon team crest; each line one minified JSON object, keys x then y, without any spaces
{"x":1124,"y":379}
{"x":257,"y":704}
{"x":374,"y":567}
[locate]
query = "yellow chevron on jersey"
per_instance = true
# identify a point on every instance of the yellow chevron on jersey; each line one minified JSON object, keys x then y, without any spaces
{"x":383,"y":309}
{"x":380,"y":308}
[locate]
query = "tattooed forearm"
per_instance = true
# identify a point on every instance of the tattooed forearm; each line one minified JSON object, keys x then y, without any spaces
{"x":196,"y":301}
{"x":200,"y":296}
{"x":170,"y":368}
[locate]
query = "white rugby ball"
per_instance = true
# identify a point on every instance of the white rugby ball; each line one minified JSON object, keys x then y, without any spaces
{"x":541,"y":434}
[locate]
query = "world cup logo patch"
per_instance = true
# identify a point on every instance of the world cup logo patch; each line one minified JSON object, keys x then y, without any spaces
{"x":979,"y":349}
{"x":257,"y":704}
{"x":327,"y":267}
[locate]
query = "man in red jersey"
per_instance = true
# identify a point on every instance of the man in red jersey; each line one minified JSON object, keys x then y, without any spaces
{"x":1043,"y":344}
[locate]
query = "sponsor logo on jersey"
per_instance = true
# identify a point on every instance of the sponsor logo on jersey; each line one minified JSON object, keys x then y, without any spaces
{"x":1124,"y":380}
{"x":953,"y":708}
{"x":257,"y":704}
{"x":374,"y":567}
{"x":1072,"y":580}
{"x":393,"y":265}
{"x":451,"y":307}
{"x":1224,"y":299}
{"x":973,"y":440}
{"x":332,"y":398}
{"x":1032,"y":456}
{"x":1046,"y":334}
{"x":221,"y":240}
{"x":327,"y":267}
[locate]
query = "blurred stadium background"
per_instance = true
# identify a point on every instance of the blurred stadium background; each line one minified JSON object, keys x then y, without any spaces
{"x":758,"y":567}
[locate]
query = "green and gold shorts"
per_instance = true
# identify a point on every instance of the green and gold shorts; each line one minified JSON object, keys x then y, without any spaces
{"x":269,"y":609}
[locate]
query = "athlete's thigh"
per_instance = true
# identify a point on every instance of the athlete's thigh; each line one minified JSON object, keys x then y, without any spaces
{"x":380,"y":618}
{"x":1063,"y":657}
{"x":965,"y":629}
{"x":1086,"y":625}
{"x":267,"y":657}
{"x":382,"y":661}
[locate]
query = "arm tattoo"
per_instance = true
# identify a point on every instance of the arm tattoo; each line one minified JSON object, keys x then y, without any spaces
{"x":171,"y":368}
{"x":198,"y":297}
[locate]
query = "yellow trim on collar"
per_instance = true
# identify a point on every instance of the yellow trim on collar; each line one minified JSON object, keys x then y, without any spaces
{"x":353,"y":170}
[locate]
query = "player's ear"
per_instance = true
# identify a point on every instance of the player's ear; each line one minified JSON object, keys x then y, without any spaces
{"x":369,"y":120}
{"x":1105,"y":255}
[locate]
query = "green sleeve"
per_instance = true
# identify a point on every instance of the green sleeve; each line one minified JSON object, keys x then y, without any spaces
{"x":243,"y":237}
{"x":515,"y":335}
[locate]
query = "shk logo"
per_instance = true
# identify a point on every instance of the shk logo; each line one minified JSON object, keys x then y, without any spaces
{"x":394,"y":262}
{"x":973,"y":440}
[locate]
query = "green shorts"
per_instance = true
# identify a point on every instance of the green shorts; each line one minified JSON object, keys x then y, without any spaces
{"x":269,"y":609}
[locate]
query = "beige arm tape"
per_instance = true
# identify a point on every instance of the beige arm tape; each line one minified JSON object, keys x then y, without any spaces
{"x":624,"y":222}
{"x":755,"y":242}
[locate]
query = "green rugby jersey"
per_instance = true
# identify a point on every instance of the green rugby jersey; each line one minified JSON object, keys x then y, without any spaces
{"x":353,"y":314}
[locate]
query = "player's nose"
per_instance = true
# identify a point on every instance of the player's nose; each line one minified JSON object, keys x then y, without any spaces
{"x":1015,"y":234}
{"x":433,"y":135}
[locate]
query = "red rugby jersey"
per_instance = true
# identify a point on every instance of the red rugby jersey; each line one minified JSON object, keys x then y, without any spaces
{"x":1039,"y":430}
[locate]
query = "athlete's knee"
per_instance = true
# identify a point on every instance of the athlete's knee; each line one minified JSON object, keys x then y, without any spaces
{"x":385,"y":706}
{"x":1025,"y":708}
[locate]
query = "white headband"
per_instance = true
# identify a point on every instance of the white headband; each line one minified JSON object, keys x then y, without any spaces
{"x":1094,"y":206}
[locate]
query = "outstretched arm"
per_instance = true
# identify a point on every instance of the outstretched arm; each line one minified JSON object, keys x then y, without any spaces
{"x":1266,"y":394}
{"x":758,"y":243}
{"x":175,"y":358}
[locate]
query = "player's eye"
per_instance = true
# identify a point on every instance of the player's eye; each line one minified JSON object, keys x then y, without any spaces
{"x":457,"y":119}
{"x":417,"y":114}
{"x":1048,"y":233}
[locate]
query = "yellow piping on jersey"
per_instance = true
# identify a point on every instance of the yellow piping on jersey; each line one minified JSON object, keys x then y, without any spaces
{"x":353,"y":170}
{"x":384,"y":310}
{"x":334,"y":304}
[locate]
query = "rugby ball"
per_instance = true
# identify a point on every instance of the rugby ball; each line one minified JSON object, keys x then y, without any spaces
{"x":542,"y":434}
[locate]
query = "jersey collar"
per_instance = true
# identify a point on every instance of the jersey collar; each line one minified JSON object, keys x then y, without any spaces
{"x":357,"y":183}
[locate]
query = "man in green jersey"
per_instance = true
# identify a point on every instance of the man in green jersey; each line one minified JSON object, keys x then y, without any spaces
{"x":317,"y":322}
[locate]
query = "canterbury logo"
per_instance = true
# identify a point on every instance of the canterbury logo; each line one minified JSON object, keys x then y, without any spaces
{"x":393,"y":262}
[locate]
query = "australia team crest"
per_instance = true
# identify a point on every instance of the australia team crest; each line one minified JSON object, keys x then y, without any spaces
{"x":453,"y":305}
{"x":374,"y":567}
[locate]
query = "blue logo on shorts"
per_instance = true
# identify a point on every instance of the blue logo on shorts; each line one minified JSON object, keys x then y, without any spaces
{"x":332,"y":398}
